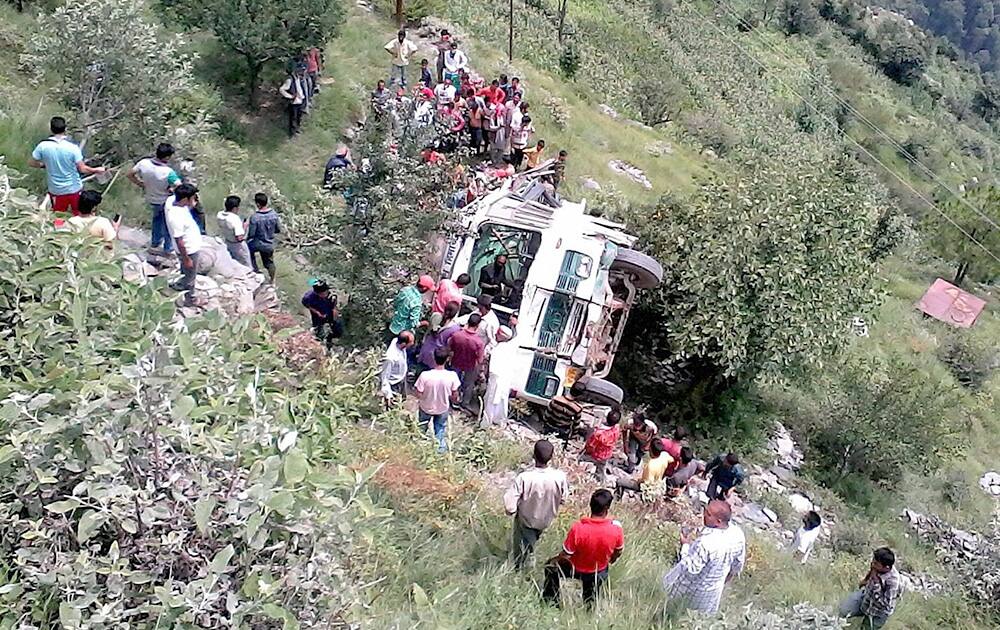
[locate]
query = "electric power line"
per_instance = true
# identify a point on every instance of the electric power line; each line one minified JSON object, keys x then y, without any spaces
{"x":774,"y":48}
{"x":902,"y":181}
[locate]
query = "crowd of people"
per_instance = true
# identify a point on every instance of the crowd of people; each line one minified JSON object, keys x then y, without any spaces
{"x":176,"y":214}
{"x":461,"y":361}
{"x":455,"y":356}
{"x":489,"y":117}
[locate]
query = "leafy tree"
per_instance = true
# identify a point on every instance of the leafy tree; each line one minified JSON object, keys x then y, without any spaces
{"x":373,"y":236}
{"x":877,"y":418}
{"x":800,"y":17}
{"x":659,"y":97}
{"x":125,"y":80}
{"x":903,"y":61}
{"x":261,"y":31}
{"x":156,"y":466}
{"x":764,"y":271}
{"x":950,"y":243}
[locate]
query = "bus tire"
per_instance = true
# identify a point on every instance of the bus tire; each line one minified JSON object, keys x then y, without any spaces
{"x":646,"y":272}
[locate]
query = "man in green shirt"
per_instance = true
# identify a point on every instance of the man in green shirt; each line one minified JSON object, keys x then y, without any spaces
{"x":407,"y":307}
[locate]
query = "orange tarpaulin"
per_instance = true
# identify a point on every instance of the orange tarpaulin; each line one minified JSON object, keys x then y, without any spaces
{"x":951,"y":305}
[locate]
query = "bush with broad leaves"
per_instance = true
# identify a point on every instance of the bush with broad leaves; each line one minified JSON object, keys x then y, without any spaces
{"x":160,"y":472}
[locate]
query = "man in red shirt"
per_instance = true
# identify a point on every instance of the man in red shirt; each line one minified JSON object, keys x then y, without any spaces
{"x":673,"y":447}
{"x":467,"y":352}
{"x":449,"y":291}
{"x":493,"y":93}
{"x":591,"y":545}
{"x":600,"y":444}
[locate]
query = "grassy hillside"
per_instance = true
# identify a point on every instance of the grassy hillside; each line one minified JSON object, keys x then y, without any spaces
{"x":439,"y":560}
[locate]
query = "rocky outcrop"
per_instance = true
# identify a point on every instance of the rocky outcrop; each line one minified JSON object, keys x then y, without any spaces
{"x":990,"y":483}
{"x":222,"y":285}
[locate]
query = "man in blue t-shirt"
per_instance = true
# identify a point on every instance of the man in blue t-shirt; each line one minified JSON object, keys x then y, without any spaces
{"x":63,"y":163}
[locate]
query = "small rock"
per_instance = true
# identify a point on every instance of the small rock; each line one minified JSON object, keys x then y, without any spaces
{"x":659,"y":148}
{"x":800,"y":503}
{"x":634,"y":173}
{"x":607,"y":110}
{"x":591,"y":184}
{"x":990,"y":483}
{"x":782,"y":473}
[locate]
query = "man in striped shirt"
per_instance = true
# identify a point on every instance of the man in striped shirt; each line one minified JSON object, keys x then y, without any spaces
{"x":563,"y":413}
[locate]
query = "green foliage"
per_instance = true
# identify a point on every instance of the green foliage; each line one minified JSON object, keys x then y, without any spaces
{"x":764,"y":271}
{"x":800,"y":17}
{"x":971,"y":355}
{"x":659,"y":98}
{"x":261,"y":31}
{"x":383,"y":216}
{"x":569,"y":60}
{"x":950,"y":243}
{"x":413,"y":10}
{"x":876,"y":418}
{"x":126,"y":82}
{"x":158,"y":473}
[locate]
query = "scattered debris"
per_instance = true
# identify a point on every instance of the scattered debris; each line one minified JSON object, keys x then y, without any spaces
{"x":607,"y":110}
{"x":659,"y":148}
{"x":634,"y":173}
{"x":990,"y":483}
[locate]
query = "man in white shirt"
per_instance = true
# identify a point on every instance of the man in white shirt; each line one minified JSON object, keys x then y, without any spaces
{"x":534,"y":500}
{"x":437,"y":389}
{"x":489,"y":325}
{"x":392,"y":382}
{"x":157,"y":180}
{"x":708,"y":563}
{"x":401,"y":49}
{"x":187,"y":236}
{"x":496,"y":401}
{"x":88,"y":220}
{"x":444,"y":92}
{"x":293,"y":90}
{"x":454,"y":60}
{"x":232,"y":231}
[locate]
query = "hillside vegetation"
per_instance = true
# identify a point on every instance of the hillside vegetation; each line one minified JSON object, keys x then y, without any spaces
{"x":164,"y":473}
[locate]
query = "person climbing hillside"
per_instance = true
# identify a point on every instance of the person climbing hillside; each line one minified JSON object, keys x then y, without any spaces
{"x":724,"y":473}
{"x":157,"y":179}
{"x":63,"y":162}
{"x":322,"y":305}
{"x":187,"y":237}
{"x":262,"y":227}
{"x":534,"y":499}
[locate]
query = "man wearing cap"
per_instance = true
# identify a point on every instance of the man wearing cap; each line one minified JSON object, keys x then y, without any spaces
{"x":407,"y":307}
{"x":496,"y":401}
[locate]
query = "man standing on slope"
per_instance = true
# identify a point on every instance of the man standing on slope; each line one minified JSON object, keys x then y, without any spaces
{"x":880,"y":590}
{"x":408,"y":307}
{"x":232,"y":231}
{"x":533,"y":500}
{"x":63,"y":163}
{"x":591,"y":545}
{"x":401,"y":49}
{"x":436,"y":390}
{"x":157,"y":179}
{"x":187,"y":237}
{"x":261,"y":229}
{"x":707,"y":563}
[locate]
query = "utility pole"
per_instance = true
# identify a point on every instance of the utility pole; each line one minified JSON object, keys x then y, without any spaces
{"x":510,"y":34}
{"x":399,"y":13}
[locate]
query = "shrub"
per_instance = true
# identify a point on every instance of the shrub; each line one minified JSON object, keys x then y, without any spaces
{"x":800,"y":17}
{"x":159,"y":473}
{"x":710,"y":131}
{"x":658,"y":97}
{"x":569,"y":60}
{"x":970,"y":357}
